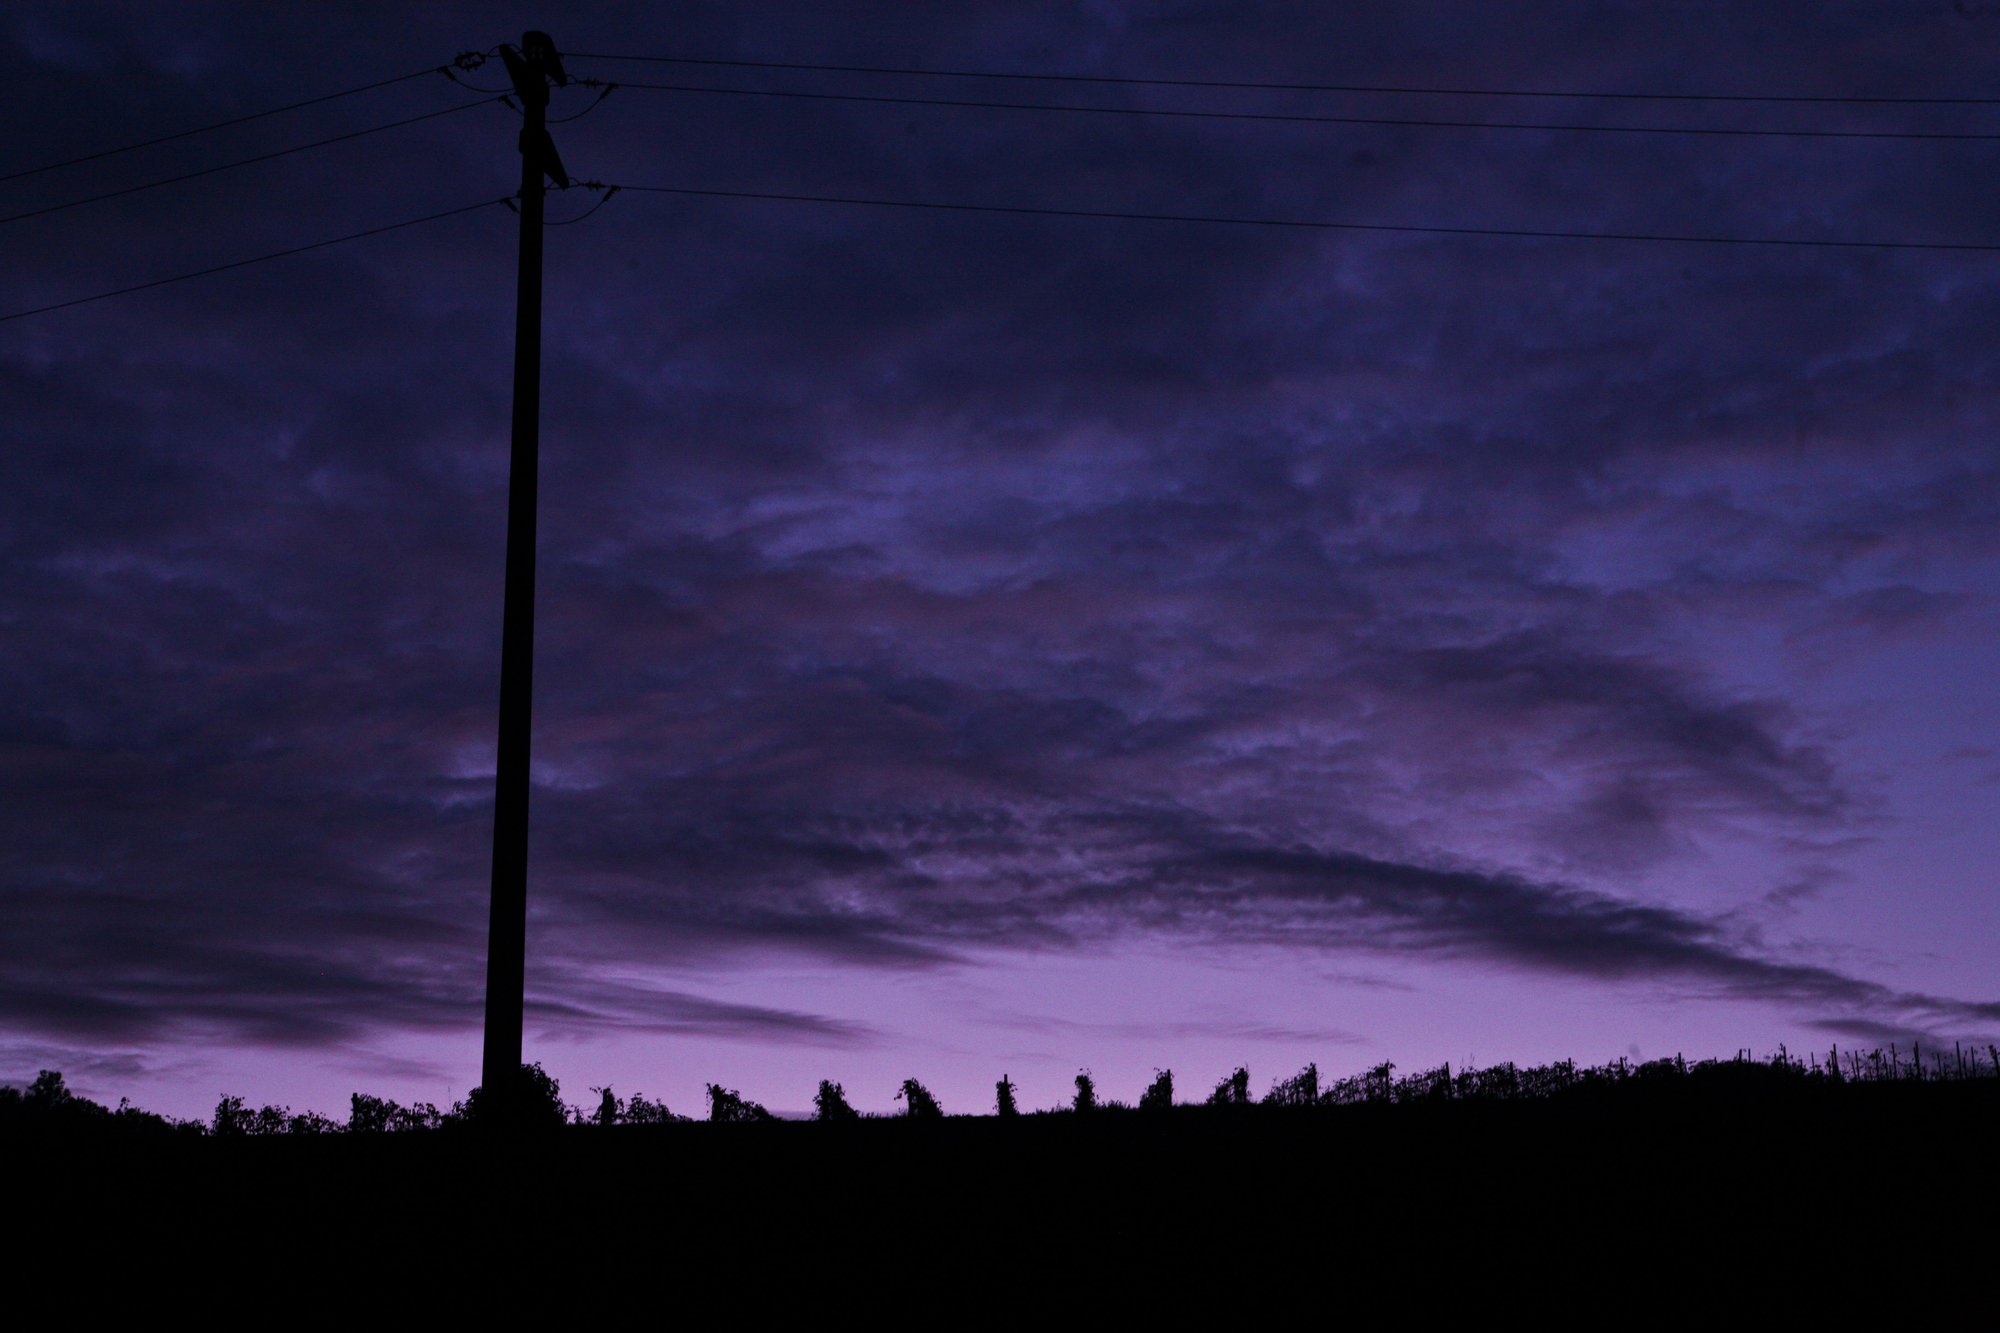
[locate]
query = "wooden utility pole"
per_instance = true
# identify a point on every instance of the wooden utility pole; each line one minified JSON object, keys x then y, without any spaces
{"x":532,"y":67}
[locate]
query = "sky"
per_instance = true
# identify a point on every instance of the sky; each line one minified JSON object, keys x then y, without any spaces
{"x":973,"y":643}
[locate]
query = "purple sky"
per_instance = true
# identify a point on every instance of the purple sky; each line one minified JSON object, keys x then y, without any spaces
{"x":973,"y":643}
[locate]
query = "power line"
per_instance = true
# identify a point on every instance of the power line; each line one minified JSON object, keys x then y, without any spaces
{"x":1294,"y":87}
{"x":261,"y":157}
{"x":609,"y":190}
{"x":225,"y":124}
{"x":1322,"y":120}
{"x":1060,"y":213}
{"x":244,"y":263}
{"x":1322,"y":226}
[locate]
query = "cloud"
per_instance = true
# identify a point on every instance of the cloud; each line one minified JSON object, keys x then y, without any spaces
{"x":83,"y":1068}
{"x":602,"y":1006}
{"x":1238,"y":1029}
{"x":914,"y":583}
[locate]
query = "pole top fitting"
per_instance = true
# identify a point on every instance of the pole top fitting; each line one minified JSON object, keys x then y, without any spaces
{"x":533,"y":66}
{"x":540,"y":49}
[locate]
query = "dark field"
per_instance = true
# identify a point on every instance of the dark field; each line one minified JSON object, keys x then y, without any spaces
{"x":1740,"y":1181}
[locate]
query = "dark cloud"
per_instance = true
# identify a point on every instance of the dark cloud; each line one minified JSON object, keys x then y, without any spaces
{"x":918,"y":583}
{"x":84,"y":1069}
{"x":601,"y":1006}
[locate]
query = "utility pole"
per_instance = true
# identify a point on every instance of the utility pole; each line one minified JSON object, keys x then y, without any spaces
{"x":533,"y":66}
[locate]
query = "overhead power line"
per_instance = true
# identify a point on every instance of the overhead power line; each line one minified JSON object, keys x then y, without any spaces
{"x":1293,"y":87}
{"x":1212,"y":219}
{"x":244,"y":162}
{"x":224,"y":124}
{"x":245,"y":263}
{"x":1311,"y":119}
{"x":1316,"y":225}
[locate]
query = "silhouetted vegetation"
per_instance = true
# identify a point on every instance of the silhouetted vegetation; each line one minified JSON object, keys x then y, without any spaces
{"x":613,"y":1110}
{"x":639,"y":1111}
{"x":726,"y":1107}
{"x":1843,"y":1157}
{"x":830,"y":1104}
{"x":536,"y":1104}
{"x":1509,"y":1082}
{"x":48,"y":1103}
{"x":1232,"y":1091}
{"x":1301,"y":1089}
{"x":1777,"y":1167}
{"x":378,"y":1115}
{"x":918,"y":1104}
{"x":232,"y":1117}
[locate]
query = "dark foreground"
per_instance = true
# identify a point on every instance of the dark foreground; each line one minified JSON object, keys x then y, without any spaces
{"x":1775,"y":1194}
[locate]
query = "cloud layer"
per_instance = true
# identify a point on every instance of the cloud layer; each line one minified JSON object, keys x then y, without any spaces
{"x":918,"y":585}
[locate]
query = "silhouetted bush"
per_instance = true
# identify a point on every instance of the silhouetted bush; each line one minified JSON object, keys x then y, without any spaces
{"x":48,"y":1104}
{"x":1301,"y":1089}
{"x":1232,"y":1091}
{"x":1548,"y":1080}
{"x":639,"y":1111}
{"x":49,"y":1100}
{"x":1430,"y":1084}
{"x":609,"y":1109}
{"x":366,"y":1114}
{"x":1493,"y":1083}
{"x":1003,"y":1098}
{"x":1086,"y":1093}
{"x":379,"y":1115}
{"x":230,"y":1118}
{"x":830,"y":1104}
{"x":536,"y":1104}
{"x":48,"y":1092}
{"x":1374,"y":1085}
{"x":1159,"y":1094}
{"x":918,"y":1104}
{"x":730,"y":1108}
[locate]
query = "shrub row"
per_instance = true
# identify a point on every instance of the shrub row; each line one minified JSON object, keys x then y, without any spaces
{"x":48,"y":1102}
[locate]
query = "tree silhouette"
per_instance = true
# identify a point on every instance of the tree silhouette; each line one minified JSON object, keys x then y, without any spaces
{"x":609,"y":1110}
{"x":918,"y":1104}
{"x":830,"y":1104}
{"x":48,"y":1093}
{"x":366,"y":1115}
{"x":727,"y":1107}
{"x":639,"y":1111}
{"x":1003,"y":1098}
{"x":49,"y":1102}
{"x":1086,"y":1092}
{"x":1159,"y":1095}
{"x":231,"y":1118}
